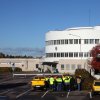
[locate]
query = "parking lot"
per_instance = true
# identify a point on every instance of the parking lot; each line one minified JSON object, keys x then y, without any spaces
{"x":19,"y":89}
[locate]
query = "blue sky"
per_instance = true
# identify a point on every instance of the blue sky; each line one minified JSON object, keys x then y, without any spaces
{"x":24,"y":23}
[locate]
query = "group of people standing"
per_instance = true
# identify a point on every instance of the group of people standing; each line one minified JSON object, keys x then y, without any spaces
{"x":63,"y":83}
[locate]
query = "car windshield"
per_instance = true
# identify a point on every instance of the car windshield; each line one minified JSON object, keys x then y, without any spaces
{"x":97,"y":84}
{"x":39,"y":77}
{"x":36,"y":77}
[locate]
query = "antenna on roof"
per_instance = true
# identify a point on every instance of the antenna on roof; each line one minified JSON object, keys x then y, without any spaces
{"x":89,"y":17}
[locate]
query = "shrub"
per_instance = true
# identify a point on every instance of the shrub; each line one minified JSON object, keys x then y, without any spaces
{"x":9,"y":69}
{"x":82,"y":72}
{"x":87,"y":79}
{"x":17,"y":69}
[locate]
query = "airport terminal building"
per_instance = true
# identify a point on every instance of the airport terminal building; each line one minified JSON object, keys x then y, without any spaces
{"x":65,"y":51}
{"x":70,"y":48}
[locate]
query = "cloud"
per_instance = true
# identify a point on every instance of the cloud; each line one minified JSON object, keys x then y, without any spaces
{"x":23,"y":51}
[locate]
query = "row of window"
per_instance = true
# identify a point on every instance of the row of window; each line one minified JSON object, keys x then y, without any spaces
{"x":72,"y":41}
{"x":68,"y":54}
{"x":70,"y":66}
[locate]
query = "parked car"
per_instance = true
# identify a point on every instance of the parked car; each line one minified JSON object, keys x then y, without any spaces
{"x":96,"y":87}
{"x":38,"y":82}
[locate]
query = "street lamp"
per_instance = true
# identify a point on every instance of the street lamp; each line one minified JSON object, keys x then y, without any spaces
{"x":12,"y":65}
{"x":80,"y":45}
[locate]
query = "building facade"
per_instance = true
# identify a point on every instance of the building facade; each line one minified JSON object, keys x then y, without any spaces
{"x":24,"y":64}
{"x":70,"y":48}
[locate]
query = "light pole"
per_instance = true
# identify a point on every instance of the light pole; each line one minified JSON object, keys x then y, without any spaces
{"x":80,"y":45}
{"x":12,"y":65}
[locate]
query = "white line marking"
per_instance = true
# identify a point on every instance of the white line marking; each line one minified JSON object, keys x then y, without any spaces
{"x":6,"y":91}
{"x":45,"y":93}
{"x":3,"y":96}
{"x":7,"y":81}
{"x":67,"y":94}
{"x":23,"y":93}
{"x":90,"y":95}
{"x":3,"y":82}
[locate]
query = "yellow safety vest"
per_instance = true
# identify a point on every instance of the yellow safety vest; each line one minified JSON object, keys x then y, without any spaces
{"x":67,"y":80}
{"x":59,"y":80}
{"x":46,"y":79}
{"x":51,"y":80}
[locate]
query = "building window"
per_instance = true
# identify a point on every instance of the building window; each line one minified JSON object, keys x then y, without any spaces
{"x":67,"y":67}
{"x":70,"y":54}
{"x":90,"y":54}
{"x":96,"y":41}
{"x":55,"y":42}
{"x":58,"y":41}
{"x":79,"y":66}
{"x":46,"y":42}
{"x":91,"y":41}
{"x":75,"y":41}
{"x":51,"y":42}
{"x":79,"y":41}
{"x":66,"y":54}
{"x":62,"y":54}
{"x":62,"y":66}
{"x":46,"y":54}
{"x":81,"y":54}
{"x":70,"y":41}
{"x":86,"y":41}
{"x":66,"y":41}
{"x":58,"y":54}
{"x":62,"y":41}
{"x":49,"y":54}
{"x":54,"y":54}
{"x":85,"y":54}
{"x":73,"y":67}
{"x":37,"y":65}
{"x":75,"y":54}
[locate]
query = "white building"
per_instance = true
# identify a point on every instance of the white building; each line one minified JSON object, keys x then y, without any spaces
{"x":70,"y":47}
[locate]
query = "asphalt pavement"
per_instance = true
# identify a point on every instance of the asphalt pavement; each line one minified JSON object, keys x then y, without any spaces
{"x":73,"y":95}
{"x":9,"y":85}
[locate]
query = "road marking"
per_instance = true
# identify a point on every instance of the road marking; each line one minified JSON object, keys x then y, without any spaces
{"x":23,"y":93}
{"x":90,"y":95}
{"x":3,"y":97}
{"x":3,"y":82}
{"x":9,"y":90}
{"x":45,"y":93}
{"x":6,"y":91}
{"x":7,"y":81}
{"x":67,"y":95}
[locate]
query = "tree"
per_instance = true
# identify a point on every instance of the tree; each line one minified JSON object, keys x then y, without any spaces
{"x":95,"y":53}
{"x":2,"y":55}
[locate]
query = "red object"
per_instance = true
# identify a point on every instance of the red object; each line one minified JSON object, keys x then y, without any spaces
{"x":95,"y":53}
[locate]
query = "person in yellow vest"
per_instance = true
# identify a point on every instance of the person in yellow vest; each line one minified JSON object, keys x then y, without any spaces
{"x":59,"y":83}
{"x":67,"y":83}
{"x":63,"y":78}
{"x":51,"y":82}
{"x":47,"y":82}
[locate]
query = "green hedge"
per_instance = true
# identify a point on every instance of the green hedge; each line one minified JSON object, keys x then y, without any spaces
{"x":9,"y":69}
{"x":87,"y":79}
